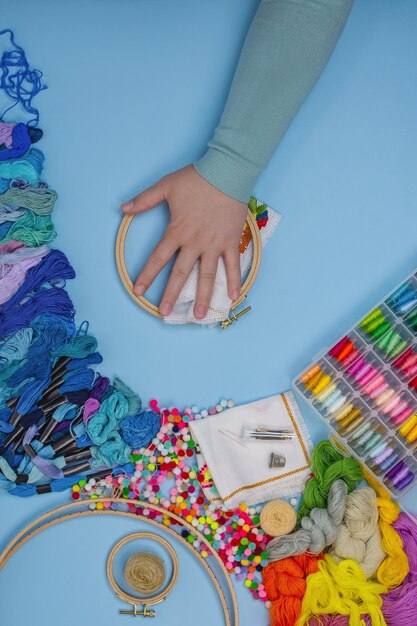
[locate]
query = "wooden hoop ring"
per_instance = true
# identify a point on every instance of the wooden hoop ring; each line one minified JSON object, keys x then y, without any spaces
{"x":145,"y":600}
{"x":41,"y":523}
{"x":152,"y":308}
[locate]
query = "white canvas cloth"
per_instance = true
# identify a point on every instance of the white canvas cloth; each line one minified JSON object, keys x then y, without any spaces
{"x":242,"y":475}
{"x":183,"y":311}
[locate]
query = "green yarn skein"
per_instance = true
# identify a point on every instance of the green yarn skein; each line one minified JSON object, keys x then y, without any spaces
{"x":40,"y":201}
{"x":32,"y":230}
{"x":328,"y":464}
{"x":135,"y":403}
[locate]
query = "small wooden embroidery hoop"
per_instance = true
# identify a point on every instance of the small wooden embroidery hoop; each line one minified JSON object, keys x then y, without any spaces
{"x":152,"y":308}
{"x":123,"y":595}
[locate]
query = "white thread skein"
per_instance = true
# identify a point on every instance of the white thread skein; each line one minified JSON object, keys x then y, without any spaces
{"x":358,"y":536}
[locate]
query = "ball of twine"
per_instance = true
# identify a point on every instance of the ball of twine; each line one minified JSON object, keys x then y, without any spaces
{"x":145,"y":572}
{"x":278,"y":518}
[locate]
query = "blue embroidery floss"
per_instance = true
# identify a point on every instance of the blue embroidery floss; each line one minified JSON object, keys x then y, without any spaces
{"x":78,"y":348}
{"x":20,"y":82}
{"x":20,"y":143}
{"x":135,"y":403}
{"x":54,"y":300}
{"x":92,"y":359}
{"x":28,"y":167}
{"x":45,"y":362}
{"x":54,"y":266}
{"x":15,"y":347}
{"x":139,"y":430}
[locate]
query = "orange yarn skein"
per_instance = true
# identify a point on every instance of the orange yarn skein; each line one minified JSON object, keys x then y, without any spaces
{"x":285,"y":585}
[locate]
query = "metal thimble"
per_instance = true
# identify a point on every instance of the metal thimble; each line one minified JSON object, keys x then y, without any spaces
{"x":276,"y":460}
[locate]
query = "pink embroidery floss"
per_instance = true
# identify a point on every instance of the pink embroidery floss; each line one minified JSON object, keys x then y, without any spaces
{"x":14,"y":266}
{"x":6,"y":134}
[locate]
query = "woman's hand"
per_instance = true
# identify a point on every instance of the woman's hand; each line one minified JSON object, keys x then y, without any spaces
{"x":205,"y":224}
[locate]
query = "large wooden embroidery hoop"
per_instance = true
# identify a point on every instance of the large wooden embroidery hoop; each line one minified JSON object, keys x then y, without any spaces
{"x":152,"y":308}
{"x":81,"y":509}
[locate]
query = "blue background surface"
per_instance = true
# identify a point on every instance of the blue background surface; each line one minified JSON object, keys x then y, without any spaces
{"x":135,"y":90}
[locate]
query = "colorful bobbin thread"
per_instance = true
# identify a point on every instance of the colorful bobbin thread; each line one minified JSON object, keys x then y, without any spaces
{"x":411,"y":321}
{"x":385,"y":335}
{"x":403,"y":300}
{"x":365,"y":436}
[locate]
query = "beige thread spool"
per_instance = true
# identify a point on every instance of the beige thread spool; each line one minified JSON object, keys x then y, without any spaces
{"x":145,"y":572}
{"x":278,"y":518}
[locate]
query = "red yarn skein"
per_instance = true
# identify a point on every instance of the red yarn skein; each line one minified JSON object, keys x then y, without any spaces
{"x":285,"y":585}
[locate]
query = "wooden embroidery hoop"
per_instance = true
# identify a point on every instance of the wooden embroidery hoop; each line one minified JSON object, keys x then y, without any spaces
{"x":129,"y":598}
{"x":152,"y":308}
{"x":71,"y":510}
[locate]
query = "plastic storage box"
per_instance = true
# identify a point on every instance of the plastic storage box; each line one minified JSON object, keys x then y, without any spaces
{"x":365,"y":388}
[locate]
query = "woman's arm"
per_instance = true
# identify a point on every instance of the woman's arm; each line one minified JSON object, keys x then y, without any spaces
{"x":286,"y":50}
{"x":287,"y":47}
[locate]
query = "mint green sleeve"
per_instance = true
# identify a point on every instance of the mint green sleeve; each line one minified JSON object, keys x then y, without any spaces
{"x":287,"y":47}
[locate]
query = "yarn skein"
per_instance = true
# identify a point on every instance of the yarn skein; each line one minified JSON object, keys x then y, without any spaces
{"x":285,"y":585}
{"x":318,"y":530}
{"x":328,"y":464}
{"x":138,"y":430}
{"x":358,"y":536}
{"x":394,"y":568}
{"x":399,"y":605}
{"x":342,"y":588}
{"x":145,"y":572}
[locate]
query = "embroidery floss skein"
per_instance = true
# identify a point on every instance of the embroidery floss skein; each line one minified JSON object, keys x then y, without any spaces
{"x":105,"y":421}
{"x":28,"y":167}
{"x":30,"y":229}
{"x":358,"y":536}
{"x":399,"y":605}
{"x":14,"y":271}
{"x":394,"y":568}
{"x":342,"y":588}
{"x":318,"y":530}
{"x":138,"y":430}
{"x":19,"y":81}
{"x":40,"y":201}
{"x":53,"y":301}
{"x":327,"y":464}
{"x":285,"y":584}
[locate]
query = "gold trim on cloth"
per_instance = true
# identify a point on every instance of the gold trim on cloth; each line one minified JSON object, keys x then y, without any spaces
{"x":292,"y":472}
